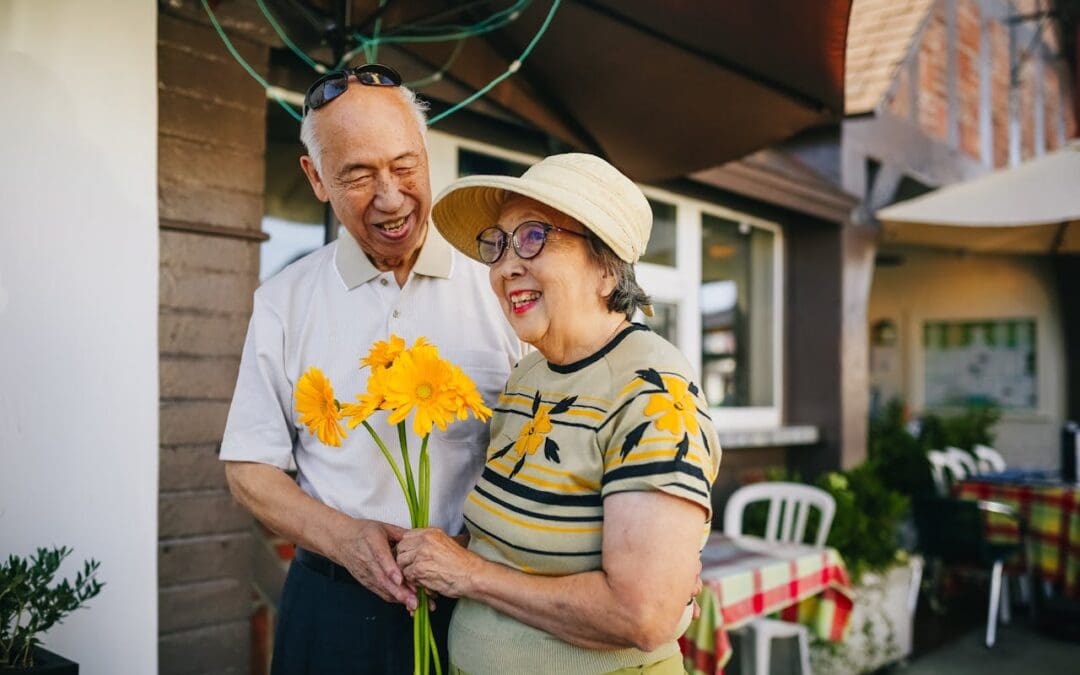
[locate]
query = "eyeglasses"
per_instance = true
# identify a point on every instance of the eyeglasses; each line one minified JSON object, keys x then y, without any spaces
{"x":528,"y":240}
{"x":330,"y":86}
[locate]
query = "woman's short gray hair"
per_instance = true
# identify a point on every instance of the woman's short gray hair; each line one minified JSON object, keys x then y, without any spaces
{"x":628,"y":296}
{"x":417,"y":106}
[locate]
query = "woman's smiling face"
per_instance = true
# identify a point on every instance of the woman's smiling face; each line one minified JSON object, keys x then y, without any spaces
{"x":548,"y":299}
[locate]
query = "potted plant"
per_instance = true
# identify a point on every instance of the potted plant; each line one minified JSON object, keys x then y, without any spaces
{"x":884,"y":577}
{"x":30,"y":604}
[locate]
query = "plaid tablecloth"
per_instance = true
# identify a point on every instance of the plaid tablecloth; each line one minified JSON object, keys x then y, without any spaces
{"x":1052,"y":512}
{"x":746,"y":577}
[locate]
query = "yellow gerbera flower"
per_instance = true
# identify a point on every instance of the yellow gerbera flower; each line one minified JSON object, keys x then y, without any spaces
{"x":317,"y":407}
{"x":532,"y":434}
{"x":367,"y":403}
{"x":468,"y":397}
{"x":419,"y":380}
{"x":384,"y":352}
{"x":677,"y":408}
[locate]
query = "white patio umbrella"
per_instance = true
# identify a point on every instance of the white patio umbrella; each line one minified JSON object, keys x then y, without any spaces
{"x":1028,"y":209}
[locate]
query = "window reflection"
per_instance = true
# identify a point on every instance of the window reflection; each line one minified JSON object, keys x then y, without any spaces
{"x":737,"y":313}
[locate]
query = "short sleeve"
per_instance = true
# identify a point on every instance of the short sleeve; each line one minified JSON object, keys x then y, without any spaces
{"x":259,"y":428}
{"x":662,"y":439}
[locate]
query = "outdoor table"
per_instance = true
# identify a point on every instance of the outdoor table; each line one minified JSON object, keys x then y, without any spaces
{"x":1051,"y":509}
{"x":747,"y":577}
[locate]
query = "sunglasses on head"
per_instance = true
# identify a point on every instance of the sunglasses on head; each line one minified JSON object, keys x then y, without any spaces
{"x":528,"y":240}
{"x":330,"y":86}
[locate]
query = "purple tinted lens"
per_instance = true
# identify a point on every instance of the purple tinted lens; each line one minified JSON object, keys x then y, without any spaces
{"x":529,"y":239}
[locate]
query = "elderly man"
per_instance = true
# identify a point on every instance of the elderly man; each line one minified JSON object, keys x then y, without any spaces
{"x":345,"y":605}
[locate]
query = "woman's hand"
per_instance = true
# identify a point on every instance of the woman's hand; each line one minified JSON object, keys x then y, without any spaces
{"x":431,"y":558}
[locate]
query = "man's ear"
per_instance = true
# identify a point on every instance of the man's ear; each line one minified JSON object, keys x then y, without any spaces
{"x":312,"y":173}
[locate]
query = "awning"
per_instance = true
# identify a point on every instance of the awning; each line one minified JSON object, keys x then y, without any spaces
{"x":1030,"y":208}
{"x":662,"y":89}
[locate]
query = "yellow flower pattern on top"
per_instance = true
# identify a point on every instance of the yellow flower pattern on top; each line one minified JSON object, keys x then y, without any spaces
{"x":677,"y":408}
{"x":532,"y":433}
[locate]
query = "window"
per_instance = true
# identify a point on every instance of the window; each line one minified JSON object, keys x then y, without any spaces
{"x":715,"y":277}
{"x":737,"y":313}
{"x":981,"y":363}
{"x":471,"y":163}
{"x":292,"y":215}
{"x":661,"y":248}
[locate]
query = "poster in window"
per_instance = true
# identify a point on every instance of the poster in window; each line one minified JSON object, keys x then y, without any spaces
{"x":990,"y":362}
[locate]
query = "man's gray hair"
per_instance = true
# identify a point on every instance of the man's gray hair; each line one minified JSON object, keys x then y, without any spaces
{"x":417,"y":105}
{"x":628,"y":296}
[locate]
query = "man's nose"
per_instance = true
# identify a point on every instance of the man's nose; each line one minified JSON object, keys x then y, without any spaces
{"x":388,"y":195}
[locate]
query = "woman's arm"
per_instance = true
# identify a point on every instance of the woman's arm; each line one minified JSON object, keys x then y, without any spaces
{"x":650,"y":565}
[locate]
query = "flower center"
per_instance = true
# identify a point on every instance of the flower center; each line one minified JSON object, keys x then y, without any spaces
{"x":424,"y":391}
{"x":679,"y":407}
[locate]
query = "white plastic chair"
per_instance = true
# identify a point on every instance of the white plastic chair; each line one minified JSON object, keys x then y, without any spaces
{"x":964,"y":459}
{"x":990,"y":460}
{"x":945,"y":471}
{"x":789,"y":511}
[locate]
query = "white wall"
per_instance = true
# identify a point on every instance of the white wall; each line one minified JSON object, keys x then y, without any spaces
{"x":935,"y":285}
{"x":78,"y":310}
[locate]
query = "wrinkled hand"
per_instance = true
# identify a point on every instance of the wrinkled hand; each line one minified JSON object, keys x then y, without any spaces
{"x":431,"y":558}
{"x":366,"y":552}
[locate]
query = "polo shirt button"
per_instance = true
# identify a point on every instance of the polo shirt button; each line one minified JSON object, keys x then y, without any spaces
{"x":383,"y":282}
{"x":397,"y":313}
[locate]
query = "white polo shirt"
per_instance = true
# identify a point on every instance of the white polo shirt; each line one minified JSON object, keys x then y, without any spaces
{"x":326,"y":310}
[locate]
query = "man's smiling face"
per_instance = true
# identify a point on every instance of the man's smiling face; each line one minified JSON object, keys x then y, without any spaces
{"x":373,"y":170}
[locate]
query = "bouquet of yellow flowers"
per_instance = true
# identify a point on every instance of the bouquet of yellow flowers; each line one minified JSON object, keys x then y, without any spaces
{"x":414,"y":381}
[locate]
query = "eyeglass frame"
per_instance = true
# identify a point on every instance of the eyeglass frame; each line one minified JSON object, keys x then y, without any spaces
{"x":511,"y":237}
{"x":347,"y":74}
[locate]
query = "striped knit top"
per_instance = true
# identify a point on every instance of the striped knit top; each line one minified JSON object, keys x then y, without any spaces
{"x":563,"y":437}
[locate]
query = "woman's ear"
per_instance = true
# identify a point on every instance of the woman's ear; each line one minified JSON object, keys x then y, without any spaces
{"x":607,"y":283}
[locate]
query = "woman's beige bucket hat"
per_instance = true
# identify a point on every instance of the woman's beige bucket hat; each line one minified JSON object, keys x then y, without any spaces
{"x":582,"y":186}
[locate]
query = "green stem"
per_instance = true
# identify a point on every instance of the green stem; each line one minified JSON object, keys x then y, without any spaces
{"x":434,"y":650}
{"x":404,"y":441}
{"x":416,"y":627}
{"x":425,"y":482}
{"x":397,"y":472}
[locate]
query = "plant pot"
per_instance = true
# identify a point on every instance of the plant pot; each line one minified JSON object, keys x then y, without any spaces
{"x":882,"y":622}
{"x":45,"y":663}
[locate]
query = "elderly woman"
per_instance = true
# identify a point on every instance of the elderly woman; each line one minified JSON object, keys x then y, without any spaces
{"x":588,"y":520}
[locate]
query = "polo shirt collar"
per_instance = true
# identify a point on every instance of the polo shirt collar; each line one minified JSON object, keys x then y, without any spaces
{"x":355,"y":268}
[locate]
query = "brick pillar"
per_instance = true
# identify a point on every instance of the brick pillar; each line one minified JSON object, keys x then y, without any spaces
{"x":211,"y":139}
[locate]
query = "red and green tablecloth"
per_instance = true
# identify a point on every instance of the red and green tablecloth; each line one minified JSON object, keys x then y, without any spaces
{"x":1052,"y":512}
{"x":745,"y":577}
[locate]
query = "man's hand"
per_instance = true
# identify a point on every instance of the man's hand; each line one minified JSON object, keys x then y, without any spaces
{"x":365,"y":550}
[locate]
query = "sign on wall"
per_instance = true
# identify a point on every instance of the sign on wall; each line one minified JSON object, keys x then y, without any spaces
{"x":991,"y":362}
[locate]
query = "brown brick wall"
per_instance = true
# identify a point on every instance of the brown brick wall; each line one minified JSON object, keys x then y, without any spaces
{"x":1052,"y":106}
{"x":968,"y":39}
{"x":1026,"y":110}
{"x":999,"y":91}
{"x":933,"y":94}
{"x":211,"y":140}
{"x":934,"y":87}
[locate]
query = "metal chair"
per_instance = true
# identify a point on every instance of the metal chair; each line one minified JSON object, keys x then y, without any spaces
{"x":990,"y":460}
{"x":952,"y":531}
{"x":789,"y":513}
{"x":945,"y":471}
{"x":964,"y":459}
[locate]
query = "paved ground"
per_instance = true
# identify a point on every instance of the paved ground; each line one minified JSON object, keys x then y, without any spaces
{"x":1019,"y":651}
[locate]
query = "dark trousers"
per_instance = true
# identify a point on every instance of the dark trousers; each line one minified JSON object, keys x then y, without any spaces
{"x":329,"y":626}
